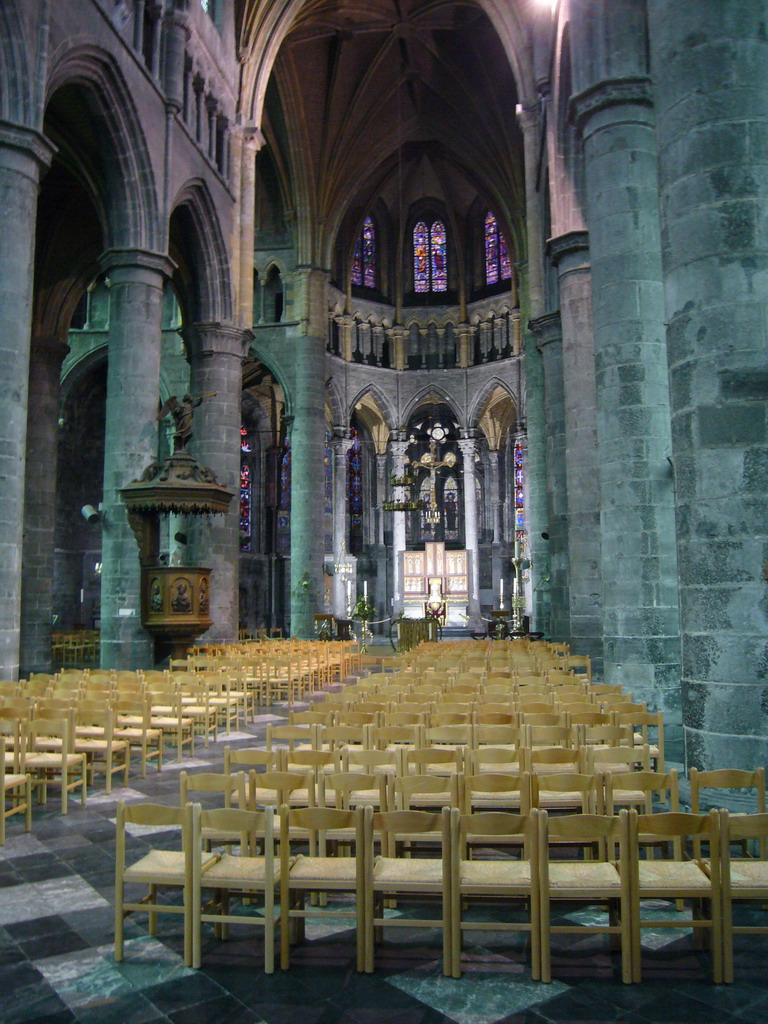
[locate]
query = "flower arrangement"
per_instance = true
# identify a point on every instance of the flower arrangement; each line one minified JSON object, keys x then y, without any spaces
{"x":363,"y":610}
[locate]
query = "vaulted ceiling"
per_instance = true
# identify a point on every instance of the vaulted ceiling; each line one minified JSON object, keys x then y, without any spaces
{"x":391,"y":101}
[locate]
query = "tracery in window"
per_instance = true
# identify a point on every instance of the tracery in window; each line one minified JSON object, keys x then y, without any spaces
{"x":430,"y":257}
{"x":498,"y":266}
{"x":365,"y":256}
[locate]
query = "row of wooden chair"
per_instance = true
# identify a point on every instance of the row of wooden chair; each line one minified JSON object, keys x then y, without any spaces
{"x":400,"y":855}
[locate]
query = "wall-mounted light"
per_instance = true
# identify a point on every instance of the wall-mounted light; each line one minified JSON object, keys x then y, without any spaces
{"x":91,"y":514}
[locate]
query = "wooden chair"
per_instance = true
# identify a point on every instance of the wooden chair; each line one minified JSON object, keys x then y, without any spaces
{"x":157,"y":869}
{"x":496,"y":791}
{"x":133,"y":723}
{"x":744,"y":878}
{"x":319,"y":873}
{"x":729,"y":779}
{"x":678,"y":878}
{"x":647,"y":729}
{"x":395,"y":874}
{"x":604,"y":879}
{"x":505,"y":880}
{"x":61,"y":767}
{"x":103,"y":750}
{"x":230,"y":788}
{"x":15,"y":784}
{"x":422,"y":792}
{"x":575,"y":792}
{"x":244,"y":875}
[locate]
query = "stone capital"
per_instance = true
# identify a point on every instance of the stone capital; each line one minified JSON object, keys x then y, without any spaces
{"x":568,"y":244}
{"x":137,"y":260}
{"x":340,"y":445}
{"x":468,"y":448}
{"x":613,"y":92}
{"x":546,"y":329}
{"x":25,"y":143}
{"x":217,"y":339}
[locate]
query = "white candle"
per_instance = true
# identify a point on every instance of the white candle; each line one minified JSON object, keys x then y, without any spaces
{"x":517,"y":548}
{"x":501,"y":589}
{"x":365,"y":590}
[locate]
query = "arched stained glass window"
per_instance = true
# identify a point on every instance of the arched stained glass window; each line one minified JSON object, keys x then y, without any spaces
{"x":439,"y":246}
{"x":328,"y":515}
{"x":430,"y":257}
{"x":245,"y":507}
{"x":498,"y":266}
{"x":246,"y":498}
{"x":284,"y":505}
{"x":365,"y":256}
{"x":355,"y":479}
{"x":451,"y":508}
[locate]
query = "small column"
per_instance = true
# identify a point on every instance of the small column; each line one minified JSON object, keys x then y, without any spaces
{"x":494,"y":495}
{"x":464,"y":332}
{"x":340,"y":446}
{"x":381,"y":495}
{"x":130,"y":442}
{"x":347,"y":331}
{"x":398,"y":448}
{"x":217,"y":359}
{"x":570,"y":254}
{"x":398,"y":334}
{"x":468,"y":449}
{"x":23,"y":156}
{"x":40,"y":504}
{"x":176,"y":32}
{"x":536,"y":485}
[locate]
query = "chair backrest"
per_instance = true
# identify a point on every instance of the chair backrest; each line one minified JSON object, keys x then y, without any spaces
{"x":609,"y":835}
{"x":250,"y":757}
{"x":497,"y":784}
{"x":282,"y":784}
{"x":251,"y":825}
{"x":627,"y":757}
{"x":444,"y":790}
{"x":678,"y":827}
{"x":292,"y":735}
{"x":546,"y":787}
{"x":418,"y":760}
{"x":232,"y":787}
{"x":391,"y":826}
{"x":731,"y":779}
{"x":624,"y":787}
{"x":494,"y":825}
{"x":342,"y":788}
{"x":320,"y":823}
{"x":11,"y":741}
{"x":543,"y":759}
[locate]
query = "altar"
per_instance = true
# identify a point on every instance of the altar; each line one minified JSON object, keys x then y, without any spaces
{"x":436,"y":577}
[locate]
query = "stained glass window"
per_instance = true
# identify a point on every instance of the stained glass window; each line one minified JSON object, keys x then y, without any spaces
{"x":491,"y":250}
{"x":245,"y":507}
{"x":421,"y":257}
{"x":498,"y":266}
{"x":328,"y":471}
{"x":364,"y":258}
{"x":355,"y":480}
{"x":430,"y":257}
{"x":438,"y":244}
{"x":451,"y":508}
{"x":284,"y":506}
{"x":246,"y":503}
{"x":519,"y":458}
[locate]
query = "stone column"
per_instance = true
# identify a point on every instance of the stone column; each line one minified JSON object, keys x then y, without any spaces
{"x":398,"y":335}
{"x":46,"y":358}
{"x":306,"y":301}
{"x":217,"y":352}
{"x":708,"y":61}
{"x":398,"y":448}
{"x":381,"y":495}
{"x":548,"y":332}
{"x":340,"y":445}
{"x":536,"y":484}
{"x":130,"y":443}
{"x":570,"y":254}
{"x":23,"y":156}
{"x":468,"y":449}
{"x":464,"y":334}
{"x":640,"y":606}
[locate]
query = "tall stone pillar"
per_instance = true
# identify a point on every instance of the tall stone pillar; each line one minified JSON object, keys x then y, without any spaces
{"x":570,"y":253}
{"x":468,"y":449}
{"x":398,"y":448}
{"x":640,"y":606}
{"x":217,"y":358}
{"x":46,"y":358}
{"x":23,"y":156}
{"x":340,"y":446}
{"x":549,"y":334}
{"x":130,"y":443}
{"x":536,"y":484}
{"x":381,"y":495}
{"x":709,"y":80}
